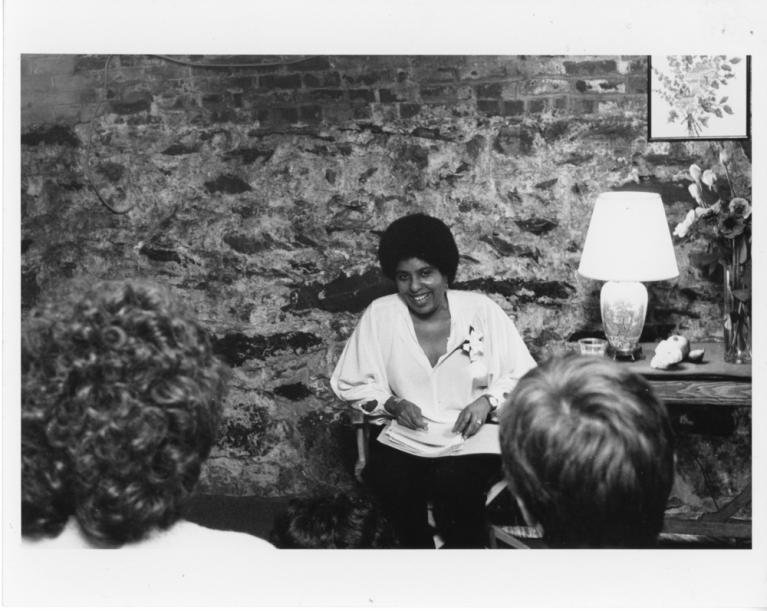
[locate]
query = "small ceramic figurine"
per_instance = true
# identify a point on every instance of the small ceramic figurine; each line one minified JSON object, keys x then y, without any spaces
{"x":674,"y":350}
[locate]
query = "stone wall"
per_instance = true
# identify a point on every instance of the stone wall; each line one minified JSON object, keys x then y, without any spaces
{"x":256,"y":187}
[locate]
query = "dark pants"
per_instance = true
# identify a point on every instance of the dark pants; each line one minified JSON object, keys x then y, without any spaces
{"x":456,"y":485}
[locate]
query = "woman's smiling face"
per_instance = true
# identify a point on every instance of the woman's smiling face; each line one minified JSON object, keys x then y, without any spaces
{"x":422,"y":286}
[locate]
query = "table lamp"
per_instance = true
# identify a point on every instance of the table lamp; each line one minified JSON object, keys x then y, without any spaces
{"x":628,"y":242}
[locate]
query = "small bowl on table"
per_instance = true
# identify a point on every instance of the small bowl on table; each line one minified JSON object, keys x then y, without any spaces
{"x":592,"y":346}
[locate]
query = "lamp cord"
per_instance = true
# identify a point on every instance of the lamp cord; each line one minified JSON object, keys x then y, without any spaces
{"x":88,"y":173}
{"x":185,"y":62}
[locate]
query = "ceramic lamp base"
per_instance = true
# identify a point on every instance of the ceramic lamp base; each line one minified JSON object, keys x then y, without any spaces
{"x":624,"y":306}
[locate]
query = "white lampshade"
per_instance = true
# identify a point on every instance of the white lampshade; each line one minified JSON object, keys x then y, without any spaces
{"x":628,"y":239}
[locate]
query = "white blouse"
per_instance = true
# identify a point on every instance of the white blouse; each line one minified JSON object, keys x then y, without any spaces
{"x":485,"y":355}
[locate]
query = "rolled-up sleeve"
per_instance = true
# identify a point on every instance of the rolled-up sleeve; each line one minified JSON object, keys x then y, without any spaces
{"x":360,"y":374}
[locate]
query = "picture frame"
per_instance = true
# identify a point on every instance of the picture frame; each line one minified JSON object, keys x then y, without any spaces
{"x":699,"y":97}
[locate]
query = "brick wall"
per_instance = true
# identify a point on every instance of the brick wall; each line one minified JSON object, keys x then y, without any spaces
{"x":286,"y":90}
{"x":256,"y":187}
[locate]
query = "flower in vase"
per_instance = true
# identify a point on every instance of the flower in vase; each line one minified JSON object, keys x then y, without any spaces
{"x":721,"y":220}
{"x":720,"y":216}
{"x":740,"y":207}
{"x":708,"y":178}
{"x":695,"y":172}
{"x":731,"y":226}
{"x":683,"y":228}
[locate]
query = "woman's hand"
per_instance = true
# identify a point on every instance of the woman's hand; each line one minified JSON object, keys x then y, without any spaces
{"x":472,"y":417}
{"x":406,"y":413}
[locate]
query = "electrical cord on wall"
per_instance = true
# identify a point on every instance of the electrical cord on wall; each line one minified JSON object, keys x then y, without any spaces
{"x":185,"y":62}
{"x":88,"y":173}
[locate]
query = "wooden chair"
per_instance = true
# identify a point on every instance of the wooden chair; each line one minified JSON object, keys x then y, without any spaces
{"x":362,"y":437}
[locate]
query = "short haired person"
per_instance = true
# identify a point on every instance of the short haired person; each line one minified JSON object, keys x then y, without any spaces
{"x":121,"y":397}
{"x":332,"y":521}
{"x":430,"y":353}
{"x":588,"y":452}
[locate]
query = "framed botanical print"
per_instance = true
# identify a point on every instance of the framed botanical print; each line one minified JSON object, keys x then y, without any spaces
{"x":704,"y":97}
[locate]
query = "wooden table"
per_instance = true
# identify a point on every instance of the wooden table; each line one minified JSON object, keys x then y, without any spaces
{"x":716,"y":387}
{"x":710,"y":383}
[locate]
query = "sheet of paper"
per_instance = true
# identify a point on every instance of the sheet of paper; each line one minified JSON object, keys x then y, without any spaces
{"x":412,"y":447}
{"x":438,"y":434}
{"x":484,"y":442}
{"x":437,"y":440}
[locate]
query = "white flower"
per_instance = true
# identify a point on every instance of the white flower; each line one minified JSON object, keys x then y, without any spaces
{"x":683,"y":228}
{"x":724,"y":155}
{"x":708,"y":178}
{"x":695,"y":172}
{"x":473,"y":345}
{"x":695,"y":192}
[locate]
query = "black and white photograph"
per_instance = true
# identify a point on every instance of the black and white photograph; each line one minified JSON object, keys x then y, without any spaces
{"x":376,"y":323}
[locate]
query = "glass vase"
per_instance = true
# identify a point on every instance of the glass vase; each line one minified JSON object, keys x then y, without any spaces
{"x":737,"y":308}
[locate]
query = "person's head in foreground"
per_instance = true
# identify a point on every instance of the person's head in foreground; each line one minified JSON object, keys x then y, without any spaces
{"x":419,"y":254}
{"x":332,"y":521}
{"x":587,"y":449}
{"x":121,"y":398}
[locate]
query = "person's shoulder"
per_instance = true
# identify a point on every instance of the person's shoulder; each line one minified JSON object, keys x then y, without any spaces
{"x":224,"y":537}
{"x":471,"y":299}
{"x":478,"y":306}
{"x":184,"y":533}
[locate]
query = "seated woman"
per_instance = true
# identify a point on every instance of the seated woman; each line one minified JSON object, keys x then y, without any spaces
{"x":430,"y":354}
{"x":121,"y":396}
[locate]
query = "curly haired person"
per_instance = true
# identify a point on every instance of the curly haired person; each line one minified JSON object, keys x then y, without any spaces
{"x":121,"y":398}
